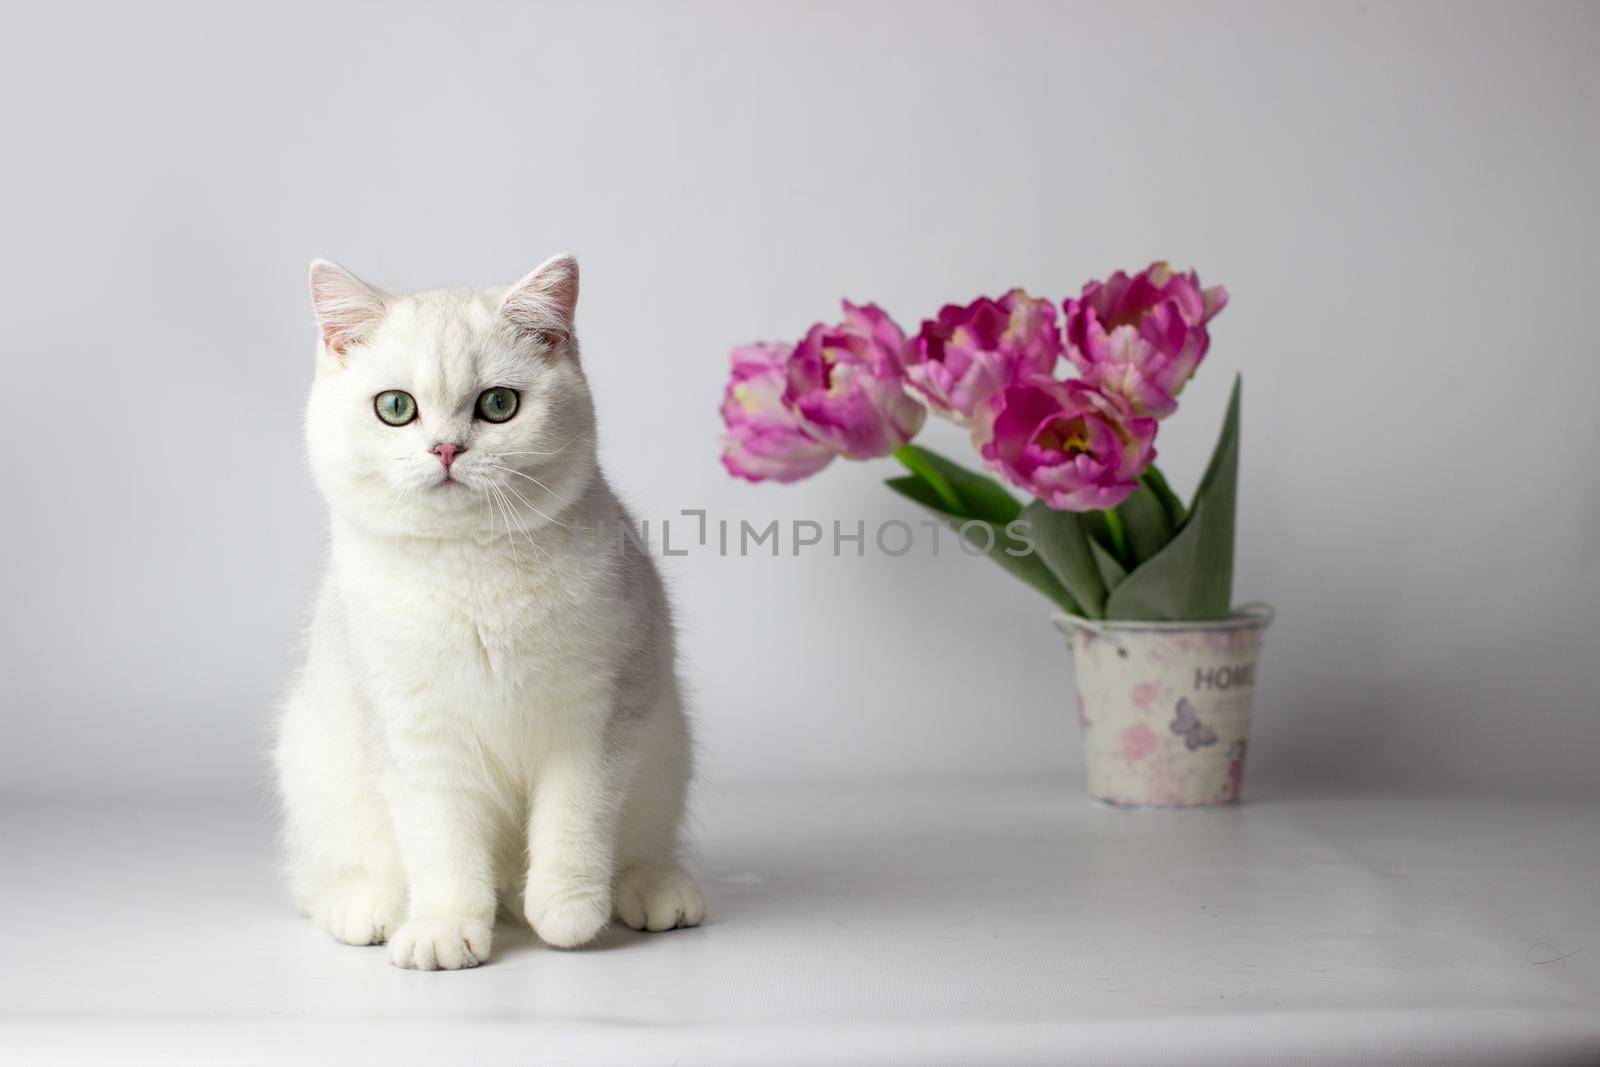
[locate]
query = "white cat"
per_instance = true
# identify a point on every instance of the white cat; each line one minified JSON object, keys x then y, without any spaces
{"x":489,"y":708}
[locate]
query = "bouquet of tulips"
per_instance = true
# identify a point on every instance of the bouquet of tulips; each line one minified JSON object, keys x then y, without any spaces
{"x":1066,"y":411}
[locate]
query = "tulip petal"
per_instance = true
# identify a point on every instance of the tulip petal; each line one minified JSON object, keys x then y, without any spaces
{"x":843,"y":385}
{"x":968,"y":354}
{"x":763,"y":440}
{"x":1072,"y":444}
{"x":1142,"y":336}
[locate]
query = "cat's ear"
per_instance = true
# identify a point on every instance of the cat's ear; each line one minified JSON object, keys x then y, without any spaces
{"x":348,"y":309}
{"x":542,"y":303}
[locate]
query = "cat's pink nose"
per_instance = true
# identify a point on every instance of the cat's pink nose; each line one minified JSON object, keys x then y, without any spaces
{"x":447,"y":453}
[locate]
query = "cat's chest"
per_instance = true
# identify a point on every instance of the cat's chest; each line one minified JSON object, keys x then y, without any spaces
{"x":471,"y":617}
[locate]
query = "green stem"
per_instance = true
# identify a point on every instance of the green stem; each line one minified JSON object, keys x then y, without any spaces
{"x":1119,"y":535}
{"x":914,"y":463}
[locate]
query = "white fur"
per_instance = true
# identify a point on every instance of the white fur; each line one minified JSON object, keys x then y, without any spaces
{"x":488,"y":709}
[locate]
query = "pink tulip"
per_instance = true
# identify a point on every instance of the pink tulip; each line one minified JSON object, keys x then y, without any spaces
{"x":763,"y":440}
{"x":968,"y":354}
{"x":1142,"y":337}
{"x":844,"y":385}
{"x":1076,"y":447}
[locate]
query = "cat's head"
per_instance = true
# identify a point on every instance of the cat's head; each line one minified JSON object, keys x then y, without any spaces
{"x":449,"y":413}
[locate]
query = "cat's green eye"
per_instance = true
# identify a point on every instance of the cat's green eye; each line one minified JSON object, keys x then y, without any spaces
{"x":497,"y":404}
{"x":395,"y":407}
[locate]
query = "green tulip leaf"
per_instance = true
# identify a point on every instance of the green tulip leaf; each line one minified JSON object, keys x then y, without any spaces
{"x":1098,"y":530}
{"x":1224,"y":460}
{"x":1147,"y":523}
{"x":1062,"y":540}
{"x":982,"y":497}
{"x":1192,"y":577}
{"x":1112,"y":572}
{"x":1019,"y":560}
{"x":1156,"y":482}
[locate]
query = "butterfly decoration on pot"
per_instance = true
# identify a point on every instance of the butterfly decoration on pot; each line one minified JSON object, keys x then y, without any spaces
{"x":1188,"y":726}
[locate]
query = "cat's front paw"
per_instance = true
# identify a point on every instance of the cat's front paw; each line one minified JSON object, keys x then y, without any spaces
{"x":441,"y":943}
{"x":360,"y":910}
{"x":566,"y":916}
{"x":659,"y":896}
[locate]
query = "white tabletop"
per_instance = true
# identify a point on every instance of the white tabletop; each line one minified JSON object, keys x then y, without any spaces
{"x":912,"y":925}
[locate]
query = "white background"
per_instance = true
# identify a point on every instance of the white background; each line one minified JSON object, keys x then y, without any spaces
{"x":1399,"y":199}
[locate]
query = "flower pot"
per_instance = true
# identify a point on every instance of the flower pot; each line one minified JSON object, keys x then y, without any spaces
{"x":1165,"y":706}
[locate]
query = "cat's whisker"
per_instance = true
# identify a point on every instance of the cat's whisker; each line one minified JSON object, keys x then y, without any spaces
{"x":538,"y":553}
{"x":409,"y":502}
{"x":538,"y":549}
{"x":390,"y":500}
{"x":394,"y":516}
{"x":396,"y":498}
{"x":510,"y":534}
{"x":557,"y":452}
{"x":488,"y":507}
{"x":511,"y":515}
{"x":531,"y":478}
{"x":526,"y":536}
{"x":513,"y":491}
{"x":541,"y":485}
{"x":505,"y":512}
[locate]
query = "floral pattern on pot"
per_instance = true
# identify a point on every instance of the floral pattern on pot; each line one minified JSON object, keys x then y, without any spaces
{"x":1165,"y":709}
